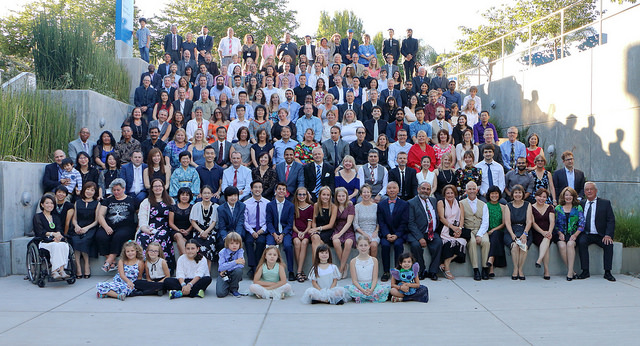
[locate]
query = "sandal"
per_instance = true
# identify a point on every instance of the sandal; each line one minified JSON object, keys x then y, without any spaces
{"x":304,"y":276}
{"x":113,"y":267}
{"x":105,"y":267}
{"x":448,"y":275}
{"x":299,"y":278}
{"x":86,"y":276}
{"x":442,"y":269}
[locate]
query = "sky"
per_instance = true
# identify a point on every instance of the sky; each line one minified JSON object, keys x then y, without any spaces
{"x":436,"y":22}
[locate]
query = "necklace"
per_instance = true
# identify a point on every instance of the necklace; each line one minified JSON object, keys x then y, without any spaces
{"x":50,"y":220}
{"x":450,"y":178}
{"x":206,"y":212}
{"x":59,"y":208}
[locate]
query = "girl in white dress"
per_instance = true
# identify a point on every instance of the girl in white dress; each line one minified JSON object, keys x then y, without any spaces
{"x":364,"y":276}
{"x":270,"y":279}
{"x":324,"y":277}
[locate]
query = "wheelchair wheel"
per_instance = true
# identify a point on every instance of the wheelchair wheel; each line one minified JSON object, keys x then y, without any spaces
{"x":34,"y":263}
{"x":71,"y":267}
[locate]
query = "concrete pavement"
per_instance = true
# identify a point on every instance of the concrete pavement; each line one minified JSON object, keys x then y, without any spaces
{"x":463,"y":311}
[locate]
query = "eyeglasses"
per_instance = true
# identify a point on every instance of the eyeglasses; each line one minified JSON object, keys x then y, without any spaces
{"x":154,"y":251}
{"x":302,"y":194}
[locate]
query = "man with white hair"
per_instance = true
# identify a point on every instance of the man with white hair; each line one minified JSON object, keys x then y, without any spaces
{"x":476,"y":218}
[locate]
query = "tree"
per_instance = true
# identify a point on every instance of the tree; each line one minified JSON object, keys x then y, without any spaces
{"x":377,"y":42}
{"x":505,"y":19}
{"x":340,"y":23}
{"x":259,"y":18}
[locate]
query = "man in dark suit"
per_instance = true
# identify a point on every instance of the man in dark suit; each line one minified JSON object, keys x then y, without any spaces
{"x":405,"y":177}
{"x":423,"y":223}
{"x":172,"y":44}
{"x":406,"y":93}
{"x":156,"y":79}
{"x":187,"y":61}
{"x":349,"y":104}
{"x":230,"y":215}
{"x":290,"y":173}
{"x":338,"y":91}
{"x":370,"y":125}
{"x":600,"y":223}
{"x":145,"y":97}
{"x":392,"y":91}
{"x":318,"y":174}
{"x":410,"y":51}
{"x":334,"y":148}
{"x":348,"y":46}
{"x":132,"y":175}
{"x":51,"y":177}
{"x":399,"y":124}
{"x":421,"y":78}
{"x":439,"y":81}
{"x":568,"y":176}
{"x":168,"y":81}
{"x":165,"y":68}
{"x":183,"y":104}
{"x":211,"y":65}
{"x":280,"y":214}
{"x":204,"y":44}
{"x":391,"y":46}
{"x":373,"y":101}
{"x":391,"y":66}
{"x":222,"y":146}
{"x":202,"y":85}
{"x":308,"y":49}
{"x":393,"y":216}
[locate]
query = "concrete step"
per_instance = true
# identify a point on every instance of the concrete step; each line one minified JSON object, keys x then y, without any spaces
{"x":556,"y":266}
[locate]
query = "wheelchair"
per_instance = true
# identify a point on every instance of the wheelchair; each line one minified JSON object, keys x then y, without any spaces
{"x":39,"y":266}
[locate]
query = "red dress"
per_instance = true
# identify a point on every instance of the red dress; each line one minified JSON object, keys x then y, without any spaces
{"x":416,"y":154}
{"x":301,"y":221}
{"x":531,"y":156}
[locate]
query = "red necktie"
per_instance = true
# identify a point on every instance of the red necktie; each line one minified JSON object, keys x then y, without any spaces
{"x":230,"y":46}
{"x":235,"y":178}
{"x":220,"y":155}
{"x":286,"y":177}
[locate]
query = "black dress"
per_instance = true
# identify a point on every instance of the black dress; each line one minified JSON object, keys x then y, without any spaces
{"x":85,"y":215}
{"x":120,"y":217}
{"x":61,"y":211}
{"x":92,"y":175}
{"x":269,"y":181}
{"x":322,"y":219}
{"x":157,"y":175}
{"x":445,"y":177}
{"x":181,"y":218}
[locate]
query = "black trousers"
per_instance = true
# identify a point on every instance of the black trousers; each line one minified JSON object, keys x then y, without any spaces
{"x":112,"y":244}
{"x":584,"y":240}
{"x":435,"y":249}
{"x":408,"y":69}
{"x":148,"y":287}
{"x":174,"y":284}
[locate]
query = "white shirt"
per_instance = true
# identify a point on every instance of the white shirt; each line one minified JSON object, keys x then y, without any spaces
{"x":484,"y":224}
{"x":432,"y":211}
{"x":340,"y":95}
{"x":223,"y":47}
{"x":394,"y":149}
{"x":592,"y":219}
{"x":192,"y":126}
{"x":234,"y":126}
{"x":138,"y":183}
{"x":478,"y":104}
{"x":571,"y":178}
{"x":310,"y":55}
{"x":280,"y":206}
{"x":189,"y":269}
{"x":497,"y":173}
{"x":313,"y":80}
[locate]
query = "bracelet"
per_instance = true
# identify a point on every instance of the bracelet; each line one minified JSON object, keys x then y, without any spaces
{"x":190,"y":284}
{"x":182,"y":284}
{"x":526,"y":234}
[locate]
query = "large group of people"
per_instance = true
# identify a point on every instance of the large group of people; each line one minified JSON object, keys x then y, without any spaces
{"x":325,"y":148}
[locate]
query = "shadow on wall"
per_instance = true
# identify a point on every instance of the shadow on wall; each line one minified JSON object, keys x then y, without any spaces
{"x":633,"y":89}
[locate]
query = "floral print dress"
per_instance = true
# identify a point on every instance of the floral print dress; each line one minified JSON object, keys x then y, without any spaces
{"x":118,"y":285}
{"x":159,"y":224}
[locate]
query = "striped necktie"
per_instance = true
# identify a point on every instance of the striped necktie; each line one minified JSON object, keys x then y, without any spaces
{"x":318,"y":179}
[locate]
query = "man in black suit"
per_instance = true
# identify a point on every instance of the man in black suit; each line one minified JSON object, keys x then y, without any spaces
{"x":423,"y":223}
{"x":334,"y":148}
{"x":51,"y":177}
{"x":172,"y":44}
{"x":348,"y":46}
{"x":568,"y":176}
{"x":145,"y":97}
{"x":165,"y":68}
{"x":391,"y":46}
{"x":439,"y":81}
{"x":405,"y":177}
{"x":373,"y":101}
{"x":156,"y":79}
{"x":168,"y":81}
{"x":318,"y":174}
{"x":349,"y":104}
{"x":211,"y":65}
{"x":370,"y":125}
{"x":183,"y":104}
{"x":421,"y":78}
{"x":392,"y":91}
{"x":406,"y":93}
{"x":204,"y":44}
{"x":222,"y":146}
{"x":308,"y":49}
{"x":410,"y":51}
{"x":599,"y":227}
{"x":392,"y":226}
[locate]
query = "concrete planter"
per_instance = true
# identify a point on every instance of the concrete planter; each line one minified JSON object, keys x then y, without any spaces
{"x":631,"y":260}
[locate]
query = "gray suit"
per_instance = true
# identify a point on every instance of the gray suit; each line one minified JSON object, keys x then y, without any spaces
{"x":329,"y":151}
{"x":182,"y":65}
{"x":76,"y":146}
{"x":418,"y":230}
{"x":294,"y":180}
{"x":226,"y":160}
{"x":391,"y":69}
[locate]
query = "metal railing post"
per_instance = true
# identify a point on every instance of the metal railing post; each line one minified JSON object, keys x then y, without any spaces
{"x":562,"y":34}
{"x":529,"y":48}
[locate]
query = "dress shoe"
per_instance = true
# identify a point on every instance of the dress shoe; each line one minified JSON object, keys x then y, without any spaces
{"x":476,"y":274}
{"x":608,"y":276}
{"x":250,"y":273}
{"x":585,"y":274}
{"x":385,"y":277}
{"x":485,"y":273}
{"x":423,"y":275}
{"x":292,"y":276}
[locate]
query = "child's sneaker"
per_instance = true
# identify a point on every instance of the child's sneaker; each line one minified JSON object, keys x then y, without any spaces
{"x":122,"y":296}
{"x":236,"y":294}
{"x":175,"y":294}
{"x":395,"y":299}
{"x":200,"y":294}
{"x":160,"y":293}
{"x":100,"y":296}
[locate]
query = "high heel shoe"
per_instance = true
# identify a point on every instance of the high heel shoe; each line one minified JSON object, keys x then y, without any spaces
{"x":538,"y":265}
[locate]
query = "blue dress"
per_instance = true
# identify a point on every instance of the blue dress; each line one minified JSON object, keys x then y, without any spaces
{"x":350,"y":186}
{"x":198,"y":156}
{"x":117,"y":284}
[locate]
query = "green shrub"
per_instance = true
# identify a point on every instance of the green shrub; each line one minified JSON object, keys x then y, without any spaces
{"x":66,"y":57}
{"x":628,"y":228}
{"x":32,"y":126}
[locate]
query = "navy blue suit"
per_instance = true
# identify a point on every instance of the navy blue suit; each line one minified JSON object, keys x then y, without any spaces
{"x":346,"y":50}
{"x":296,"y":178}
{"x":392,"y":223}
{"x":156,"y":80}
{"x":204,"y":43}
{"x":50,"y":180}
{"x":126,"y":173}
{"x":391,"y":131}
{"x":286,"y":221}
{"x":396,"y":94}
{"x":334,"y":91}
{"x":230,"y":223}
{"x":145,"y":97}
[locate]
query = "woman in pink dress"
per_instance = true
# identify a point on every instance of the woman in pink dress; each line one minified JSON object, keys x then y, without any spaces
{"x":452,"y":217}
{"x":444,"y":146}
{"x":268,"y":49}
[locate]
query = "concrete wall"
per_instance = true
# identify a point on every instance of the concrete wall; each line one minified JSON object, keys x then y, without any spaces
{"x":136,"y":68}
{"x":25,"y":81}
{"x":94,"y":110}
{"x":588,"y":103}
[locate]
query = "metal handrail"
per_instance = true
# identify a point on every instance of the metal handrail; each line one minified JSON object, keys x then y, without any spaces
{"x":529,"y":44}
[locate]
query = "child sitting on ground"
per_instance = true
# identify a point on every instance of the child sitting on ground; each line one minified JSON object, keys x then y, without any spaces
{"x":192,"y":274}
{"x":405,"y":284}
{"x":324,"y":277}
{"x":129,"y":267}
{"x":270,"y":280}
{"x":155,"y":270}
{"x":364,"y":275}
{"x":230,"y":265}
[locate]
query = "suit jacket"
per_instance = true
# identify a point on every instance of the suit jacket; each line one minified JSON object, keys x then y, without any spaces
{"x":418,"y":218}
{"x":560,"y":181}
{"x":188,"y":107}
{"x":204,"y":43}
{"x":417,"y":82}
{"x":183,"y":64}
{"x":328,"y":177}
{"x":334,"y":91}
{"x":75,"y":147}
{"x":156,"y":80}
{"x":409,"y":46}
{"x":226,"y":160}
{"x":196,"y":92}
{"x":393,"y":223}
{"x":286,"y":220}
{"x":391,"y":47}
{"x":50,"y":179}
{"x":329,"y":152}
{"x":357,"y":99}
{"x":368,"y":125}
{"x":126,"y":173}
{"x":162,"y":69}
{"x":231,"y":223}
{"x":391,"y":69}
{"x":212,"y":67}
{"x":605,"y":219}
{"x":367,"y":108}
{"x":396,"y":94}
{"x":345,"y":49}
{"x":303,"y":50}
{"x":296,"y":178}
{"x":167,"y":43}
{"x":439,"y":82}
{"x":172,"y":92}
{"x":145,"y":97}
{"x":391,"y":131}
{"x":343,"y":107}
{"x":410,"y":186}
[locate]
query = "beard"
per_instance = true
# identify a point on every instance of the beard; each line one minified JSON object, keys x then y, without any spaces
{"x":219,"y":86}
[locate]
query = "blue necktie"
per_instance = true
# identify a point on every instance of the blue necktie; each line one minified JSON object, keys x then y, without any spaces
{"x":335,"y":154}
{"x":257,"y":215}
{"x":489,"y":174}
{"x":318,"y":179}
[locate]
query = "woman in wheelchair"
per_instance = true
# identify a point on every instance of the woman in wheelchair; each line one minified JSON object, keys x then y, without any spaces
{"x":48,"y":227}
